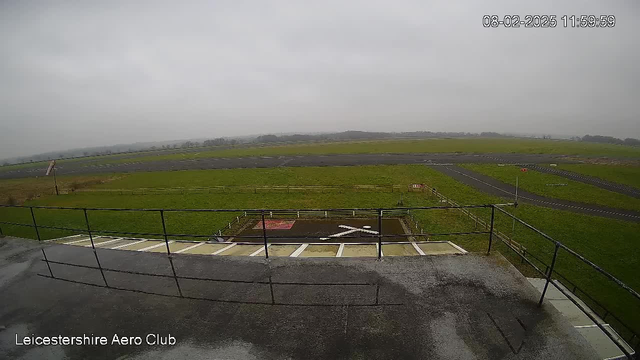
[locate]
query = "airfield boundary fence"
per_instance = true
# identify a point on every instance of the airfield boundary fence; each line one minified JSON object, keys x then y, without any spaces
{"x":629,"y":335}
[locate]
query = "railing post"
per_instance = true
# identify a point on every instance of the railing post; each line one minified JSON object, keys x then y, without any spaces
{"x":164,"y":231}
{"x":93,"y":247}
{"x":379,"y":234}
{"x":493,"y":214}
{"x":35,"y":225}
{"x":264,"y":235}
{"x":47,"y":261}
{"x":549,"y":273}
{"x":166,"y":242}
{"x":86,"y":220}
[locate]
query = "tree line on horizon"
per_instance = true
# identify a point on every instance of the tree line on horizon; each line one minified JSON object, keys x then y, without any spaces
{"x":295,"y":138}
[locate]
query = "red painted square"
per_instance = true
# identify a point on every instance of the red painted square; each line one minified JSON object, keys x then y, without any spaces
{"x":275,"y":224}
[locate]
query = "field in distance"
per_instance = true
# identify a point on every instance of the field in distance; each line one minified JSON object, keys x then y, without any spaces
{"x":457,"y":145}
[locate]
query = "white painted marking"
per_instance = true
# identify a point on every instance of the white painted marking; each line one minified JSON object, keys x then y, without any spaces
{"x":415,"y":246}
{"x":154,"y":246}
{"x":367,"y":227}
{"x":357,"y":229}
{"x":457,"y":247}
{"x":586,"y":326}
{"x":75,"y":241}
{"x":259,"y":250}
{"x":344,"y":233}
{"x":340,"y":250}
{"x":125,"y":245}
{"x":381,"y":252}
{"x":104,"y":242}
{"x":189,"y":248}
{"x":64,"y":238}
{"x":324,"y":239}
{"x":299,"y":250}
{"x":224,"y":249}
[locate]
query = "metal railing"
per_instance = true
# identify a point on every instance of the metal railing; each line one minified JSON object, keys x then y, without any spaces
{"x":377,"y":213}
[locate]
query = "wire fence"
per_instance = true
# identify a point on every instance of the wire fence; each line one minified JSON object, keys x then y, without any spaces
{"x":550,"y":268}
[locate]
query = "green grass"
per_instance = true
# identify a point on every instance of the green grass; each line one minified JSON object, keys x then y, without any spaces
{"x":360,"y":175}
{"x":457,"y":145}
{"x":608,"y":243}
{"x":467,"y":145}
{"x":536,"y":182}
{"x":623,"y":174}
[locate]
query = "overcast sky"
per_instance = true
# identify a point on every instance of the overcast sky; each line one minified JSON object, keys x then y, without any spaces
{"x":88,"y":73}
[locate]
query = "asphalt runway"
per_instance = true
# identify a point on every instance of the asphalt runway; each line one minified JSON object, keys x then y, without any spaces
{"x":91,"y":167}
{"x":495,"y":187}
{"x":238,"y":307}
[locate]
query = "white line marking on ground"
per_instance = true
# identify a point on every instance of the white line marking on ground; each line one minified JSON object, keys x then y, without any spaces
{"x":344,"y":233}
{"x":299,"y":250}
{"x":224,"y":249}
{"x":588,"y":326}
{"x":259,"y":250}
{"x":189,"y":248}
{"x":75,"y":241}
{"x":457,"y":247}
{"x":64,"y":238}
{"x":357,"y":229}
{"x":125,"y":245}
{"x":381,"y":252}
{"x":340,"y":250}
{"x":154,"y":246}
{"x":104,"y":242}
{"x":415,"y":246}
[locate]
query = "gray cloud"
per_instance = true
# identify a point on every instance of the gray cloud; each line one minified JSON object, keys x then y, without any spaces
{"x":77,"y":74}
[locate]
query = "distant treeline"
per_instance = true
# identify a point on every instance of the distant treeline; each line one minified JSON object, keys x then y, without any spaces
{"x":610,"y":140}
{"x":295,"y":138}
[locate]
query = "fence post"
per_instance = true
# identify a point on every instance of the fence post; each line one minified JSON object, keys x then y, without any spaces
{"x":35,"y":225}
{"x":93,"y":246}
{"x":164,"y":231}
{"x":379,"y":234}
{"x":264,"y":235}
{"x":549,"y":273}
{"x":47,"y":261}
{"x":493,"y":213}
{"x":166,"y":242}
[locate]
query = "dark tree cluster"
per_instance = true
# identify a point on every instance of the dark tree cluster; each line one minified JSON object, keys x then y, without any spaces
{"x":610,"y":140}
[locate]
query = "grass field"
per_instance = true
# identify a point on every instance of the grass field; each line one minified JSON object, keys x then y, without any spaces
{"x":536,"y":182}
{"x":473,"y":145}
{"x":464,"y":145}
{"x":623,"y":174}
{"x":609,"y":243}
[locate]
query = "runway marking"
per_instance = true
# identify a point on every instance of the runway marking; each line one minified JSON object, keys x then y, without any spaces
{"x":154,"y":246}
{"x":224,"y":249}
{"x":189,"y":248}
{"x":104,"y":242}
{"x":350,"y":231}
{"x":75,"y":241}
{"x":458,"y":247}
{"x":340,"y":250}
{"x":259,"y":250}
{"x":125,"y":245}
{"x":415,"y":246}
{"x":299,"y":250}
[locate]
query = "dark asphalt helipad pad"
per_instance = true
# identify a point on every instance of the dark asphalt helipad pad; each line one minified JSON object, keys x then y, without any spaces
{"x":422,"y":307}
